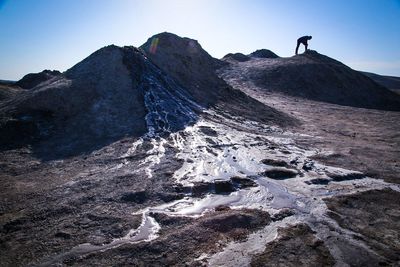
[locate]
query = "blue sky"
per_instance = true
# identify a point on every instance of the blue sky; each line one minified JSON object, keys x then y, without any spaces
{"x":56,"y":34}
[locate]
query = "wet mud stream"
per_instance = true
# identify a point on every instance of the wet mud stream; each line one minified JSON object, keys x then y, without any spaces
{"x":284,"y":175}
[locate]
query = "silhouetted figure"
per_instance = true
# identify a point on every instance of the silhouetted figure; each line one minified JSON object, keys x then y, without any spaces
{"x":302,"y":40}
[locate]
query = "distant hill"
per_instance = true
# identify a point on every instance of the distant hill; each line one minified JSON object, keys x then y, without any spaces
{"x":390,"y":82}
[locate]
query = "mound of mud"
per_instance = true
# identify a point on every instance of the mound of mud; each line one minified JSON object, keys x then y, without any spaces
{"x":236,"y":57}
{"x":390,"y":82}
{"x":113,"y":93}
{"x":8,"y":90}
{"x":316,"y":77}
{"x":33,"y":79}
{"x":264,"y":53}
{"x":189,"y":64}
{"x":239,"y":57}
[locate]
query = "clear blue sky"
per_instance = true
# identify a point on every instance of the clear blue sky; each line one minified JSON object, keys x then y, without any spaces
{"x":56,"y":34}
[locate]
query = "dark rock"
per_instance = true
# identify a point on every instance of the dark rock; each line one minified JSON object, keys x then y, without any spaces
{"x":200,"y":189}
{"x":345,"y":177}
{"x":226,"y":222}
{"x":211,"y":142}
{"x":282,"y":214}
{"x":320,"y":181}
{"x":223,"y":186}
{"x":242,"y":182}
{"x":280,"y":174}
{"x":208,"y":131}
{"x":275,"y":162}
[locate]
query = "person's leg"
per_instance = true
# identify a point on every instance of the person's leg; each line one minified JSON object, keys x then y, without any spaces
{"x":297,"y":47}
{"x":306,"y":45}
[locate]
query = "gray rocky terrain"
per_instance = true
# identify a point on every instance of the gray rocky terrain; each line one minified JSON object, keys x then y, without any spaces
{"x":316,"y":77}
{"x":168,"y":157}
{"x":390,"y":82}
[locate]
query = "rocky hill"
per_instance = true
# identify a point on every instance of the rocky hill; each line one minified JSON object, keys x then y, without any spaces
{"x":123,"y":91}
{"x":193,"y":68}
{"x":33,"y":79}
{"x":390,"y":82}
{"x":113,"y":93}
{"x":314,"y":76}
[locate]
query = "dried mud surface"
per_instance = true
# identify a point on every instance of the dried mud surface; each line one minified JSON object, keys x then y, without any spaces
{"x":296,"y":246}
{"x":224,"y":190}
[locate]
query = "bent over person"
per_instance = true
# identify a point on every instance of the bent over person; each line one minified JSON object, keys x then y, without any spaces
{"x":302,"y":40}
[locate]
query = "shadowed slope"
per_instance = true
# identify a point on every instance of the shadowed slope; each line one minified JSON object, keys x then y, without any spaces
{"x":113,"y":93}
